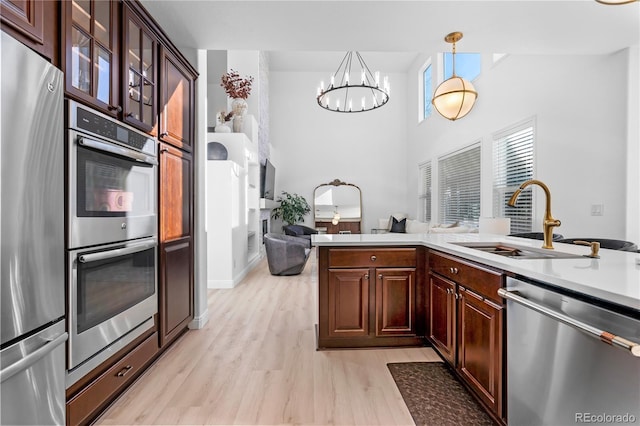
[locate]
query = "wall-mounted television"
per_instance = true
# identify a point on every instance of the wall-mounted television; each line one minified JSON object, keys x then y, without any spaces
{"x":267,"y":180}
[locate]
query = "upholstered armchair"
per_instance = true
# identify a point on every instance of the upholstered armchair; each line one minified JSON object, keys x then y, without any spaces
{"x":286,"y":255}
{"x":300,"y":231}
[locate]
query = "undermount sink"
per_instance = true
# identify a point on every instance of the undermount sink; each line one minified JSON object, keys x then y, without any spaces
{"x":518,"y":252}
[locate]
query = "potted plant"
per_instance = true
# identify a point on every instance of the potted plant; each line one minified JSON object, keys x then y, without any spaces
{"x":292,"y":209}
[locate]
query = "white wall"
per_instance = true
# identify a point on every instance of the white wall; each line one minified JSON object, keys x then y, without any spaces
{"x":312,"y":146}
{"x":633,"y":147}
{"x":579,"y":104}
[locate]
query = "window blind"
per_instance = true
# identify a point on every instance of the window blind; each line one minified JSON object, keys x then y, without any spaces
{"x":459,"y":186}
{"x":512,"y":165}
{"x":424,"y":199}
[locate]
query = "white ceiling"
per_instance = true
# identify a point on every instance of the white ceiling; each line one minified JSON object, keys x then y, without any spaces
{"x":310,"y":35}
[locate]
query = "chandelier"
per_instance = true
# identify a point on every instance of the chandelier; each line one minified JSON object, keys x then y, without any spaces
{"x":353,"y":87}
{"x":455,"y":96}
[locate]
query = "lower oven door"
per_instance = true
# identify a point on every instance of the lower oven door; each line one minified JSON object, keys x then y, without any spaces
{"x":112,"y":291}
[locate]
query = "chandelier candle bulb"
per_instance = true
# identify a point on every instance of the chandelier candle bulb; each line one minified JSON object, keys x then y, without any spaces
{"x":332,"y":81}
{"x":377,"y":78}
{"x":346,"y":78}
{"x":363,"y":102}
{"x":350,"y":105}
{"x":322,"y":86}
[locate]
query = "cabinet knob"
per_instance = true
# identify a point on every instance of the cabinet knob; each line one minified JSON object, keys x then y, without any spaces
{"x":366,"y":276}
{"x":373,"y":258}
{"x":116,"y":108}
{"x":380,"y":276}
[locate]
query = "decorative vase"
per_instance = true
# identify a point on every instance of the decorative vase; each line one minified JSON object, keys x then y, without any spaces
{"x":216,"y":151}
{"x":222,"y":128}
{"x":239,"y":106}
{"x":237,"y":123}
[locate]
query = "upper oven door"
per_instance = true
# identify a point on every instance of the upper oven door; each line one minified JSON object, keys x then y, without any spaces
{"x":112,"y":192}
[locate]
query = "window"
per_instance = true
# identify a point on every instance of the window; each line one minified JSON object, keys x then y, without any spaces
{"x":426,"y":90}
{"x":512,"y":165}
{"x":424,"y":199}
{"x":468,"y":65}
{"x":459,"y":186}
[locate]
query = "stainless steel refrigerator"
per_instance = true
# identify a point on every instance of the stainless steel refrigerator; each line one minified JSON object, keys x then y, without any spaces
{"x":32,"y":351}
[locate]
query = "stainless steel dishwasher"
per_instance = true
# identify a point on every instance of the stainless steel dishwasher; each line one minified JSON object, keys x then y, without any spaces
{"x":569,"y":361}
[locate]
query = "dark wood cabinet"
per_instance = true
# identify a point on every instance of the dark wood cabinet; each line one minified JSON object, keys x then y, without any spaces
{"x":467,"y":326}
{"x":367,"y":297}
{"x":395,"y":301}
{"x":479,"y":340}
{"x":91,"y":53}
{"x":140,"y":91}
{"x":177,"y":101}
{"x":343,"y":226}
{"x":442,"y":319}
{"x":176,"y":242}
{"x":99,"y":388}
{"x":35,"y":23}
{"x":348,"y":291}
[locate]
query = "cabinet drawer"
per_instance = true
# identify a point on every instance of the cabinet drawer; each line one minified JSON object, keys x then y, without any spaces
{"x":82,"y":407}
{"x":349,"y":258}
{"x":483,"y":281}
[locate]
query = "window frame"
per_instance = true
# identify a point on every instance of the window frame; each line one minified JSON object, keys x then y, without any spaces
{"x":422,"y":99}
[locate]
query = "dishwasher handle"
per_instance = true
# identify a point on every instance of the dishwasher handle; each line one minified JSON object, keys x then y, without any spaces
{"x":605,"y":336}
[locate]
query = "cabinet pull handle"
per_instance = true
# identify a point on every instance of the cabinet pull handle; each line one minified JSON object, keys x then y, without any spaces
{"x":164,"y":134}
{"x":453,"y":270}
{"x":457,"y":296}
{"x":124,"y":371}
{"x":164,"y":150}
{"x":448,"y":291}
{"x":116,"y":108}
{"x":366,"y":276}
{"x":380,"y":276}
{"x":373,"y":258}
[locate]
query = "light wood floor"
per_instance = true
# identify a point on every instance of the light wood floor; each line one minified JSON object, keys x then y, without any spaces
{"x":255,"y":363}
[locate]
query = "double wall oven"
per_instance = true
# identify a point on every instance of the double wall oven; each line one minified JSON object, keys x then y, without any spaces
{"x":111,"y":239}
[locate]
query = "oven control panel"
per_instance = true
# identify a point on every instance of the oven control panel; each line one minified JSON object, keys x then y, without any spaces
{"x":82,"y":118}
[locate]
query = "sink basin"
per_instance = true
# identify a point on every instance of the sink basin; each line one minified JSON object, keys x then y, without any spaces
{"x":518,"y":252}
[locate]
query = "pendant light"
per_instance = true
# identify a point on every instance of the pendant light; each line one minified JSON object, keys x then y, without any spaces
{"x":454,"y":97}
{"x":616,"y":2}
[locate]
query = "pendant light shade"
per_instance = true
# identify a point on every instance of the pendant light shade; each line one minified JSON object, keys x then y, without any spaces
{"x":615,"y":2}
{"x":454,"y":97}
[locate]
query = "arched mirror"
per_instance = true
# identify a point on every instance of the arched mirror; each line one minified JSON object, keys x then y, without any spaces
{"x":337,"y":208}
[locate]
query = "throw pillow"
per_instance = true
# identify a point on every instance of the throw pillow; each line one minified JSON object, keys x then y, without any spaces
{"x":416,"y":227}
{"x":398,"y":226}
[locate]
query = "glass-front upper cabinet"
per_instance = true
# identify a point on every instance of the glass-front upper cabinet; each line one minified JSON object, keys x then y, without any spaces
{"x":91,"y":53}
{"x":140,"y":60}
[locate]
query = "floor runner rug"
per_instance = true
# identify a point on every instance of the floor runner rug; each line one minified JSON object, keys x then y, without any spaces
{"x":435,"y":397}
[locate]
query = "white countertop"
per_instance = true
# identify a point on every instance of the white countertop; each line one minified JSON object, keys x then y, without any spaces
{"x":615,"y":277}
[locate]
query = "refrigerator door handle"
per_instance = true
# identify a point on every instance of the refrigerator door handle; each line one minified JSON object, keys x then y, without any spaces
{"x":617,"y":341}
{"x":32,"y":358}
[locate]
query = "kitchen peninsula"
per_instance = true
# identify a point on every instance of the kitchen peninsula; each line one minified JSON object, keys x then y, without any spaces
{"x":409,"y":289}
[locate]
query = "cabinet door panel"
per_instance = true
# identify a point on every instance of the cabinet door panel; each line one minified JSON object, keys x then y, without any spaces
{"x":177,"y":97}
{"x":25,"y":16}
{"x":348,"y":302}
{"x":480,"y":347}
{"x":442,"y":316}
{"x":91,"y":57}
{"x":175,"y":193}
{"x":140,"y":46}
{"x":395,"y":301}
{"x":176,"y":296}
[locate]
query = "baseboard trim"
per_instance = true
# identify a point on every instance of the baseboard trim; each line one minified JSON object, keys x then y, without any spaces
{"x":199,"y":321}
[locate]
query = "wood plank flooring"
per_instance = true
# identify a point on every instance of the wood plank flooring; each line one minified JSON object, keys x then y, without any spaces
{"x":255,"y":363}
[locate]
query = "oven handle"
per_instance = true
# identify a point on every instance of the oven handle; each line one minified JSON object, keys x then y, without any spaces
{"x":109,"y":254}
{"x":118,"y":150}
{"x":605,"y":336}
